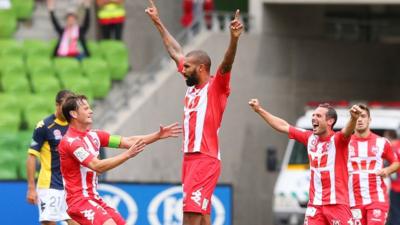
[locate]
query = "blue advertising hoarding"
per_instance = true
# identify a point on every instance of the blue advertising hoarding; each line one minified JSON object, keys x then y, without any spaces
{"x":139,"y":204}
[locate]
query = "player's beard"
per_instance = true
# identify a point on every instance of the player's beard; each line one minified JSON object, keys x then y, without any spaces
{"x":192,"y":80}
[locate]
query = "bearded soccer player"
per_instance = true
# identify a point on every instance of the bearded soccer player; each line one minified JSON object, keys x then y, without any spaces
{"x":79,"y":150}
{"x":48,"y":194}
{"x":204,"y":105}
{"x":368,"y":194}
{"x":328,"y":154}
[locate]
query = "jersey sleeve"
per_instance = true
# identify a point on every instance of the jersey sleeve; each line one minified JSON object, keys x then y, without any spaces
{"x":180,"y":65}
{"x":104,"y":138}
{"x":388,"y":153}
{"x":300,"y":135}
{"x":341,"y":140}
{"x":78,"y":151}
{"x":222,"y":80}
{"x":38,"y":139}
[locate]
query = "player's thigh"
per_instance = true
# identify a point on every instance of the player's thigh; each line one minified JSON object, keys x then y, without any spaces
{"x":376,"y":217}
{"x":199,"y":179}
{"x":314,"y":216}
{"x":48,"y":223}
{"x":338,"y":214}
{"x":206,"y":219}
{"x":359,"y":215}
{"x":52,"y":206}
{"x":89,"y":212}
{"x":117,"y":218}
{"x":192,"y":218}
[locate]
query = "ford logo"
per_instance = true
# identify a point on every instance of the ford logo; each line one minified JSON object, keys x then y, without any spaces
{"x":166,"y":208}
{"x":117,"y":198}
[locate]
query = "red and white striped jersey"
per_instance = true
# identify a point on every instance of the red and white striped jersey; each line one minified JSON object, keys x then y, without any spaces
{"x":77,"y":149}
{"x":366,"y":157}
{"x":328,"y":165}
{"x":203,"y":110}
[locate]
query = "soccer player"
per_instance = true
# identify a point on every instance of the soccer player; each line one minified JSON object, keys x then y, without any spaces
{"x":368,"y":193}
{"x":328,"y":156}
{"x":204,"y":105}
{"x":79,"y":150}
{"x":49,"y":194}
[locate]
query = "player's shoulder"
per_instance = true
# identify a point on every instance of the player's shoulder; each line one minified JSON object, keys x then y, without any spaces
{"x":46,"y":122}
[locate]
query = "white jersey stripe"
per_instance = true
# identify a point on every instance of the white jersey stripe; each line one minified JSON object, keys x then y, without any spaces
{"x":351,"y":192}
{"x":317,"y":189}
{"x":332,"y":161}
{"x":380,"y":142}
{"x":364,"y":184}
{"x":83,"y":178}
{"x":201,"y":114}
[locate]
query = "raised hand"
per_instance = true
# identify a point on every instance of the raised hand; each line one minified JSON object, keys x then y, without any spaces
{"x":152,"y":10}
{"x":172,"y":130}
{"x":254,"y":104}
{"x":136,"y":148}
{"x":50,"y":5}
{"x":236,"y":26}
{"x":355,"y":111}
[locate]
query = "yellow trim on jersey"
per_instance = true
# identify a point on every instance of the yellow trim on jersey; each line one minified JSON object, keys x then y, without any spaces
{"x":34,"y":152}
{"x":45,"y":166}
{"x":60,"y":122}
{"x":298,"y":167}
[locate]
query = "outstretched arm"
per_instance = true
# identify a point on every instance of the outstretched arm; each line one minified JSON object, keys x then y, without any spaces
{"x":172,"y":130}
{"x":174,"y":49}
{"x":274,"y":121}
{"x":56,"y":24}
{"x":351,"y":125}
{"x":103,"y":165}
{"x":236,"y":29}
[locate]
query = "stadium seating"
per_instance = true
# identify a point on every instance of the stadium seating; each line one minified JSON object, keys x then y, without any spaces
{"x":116,"y":55}
{"x":15,"y":83}
{"x":8,"y":23}
{"x":29,"y":79}
{"x":37,"y":48}
{"x":99,"y":75}
{"x":10,"y":48}
{"x":23,"y":8}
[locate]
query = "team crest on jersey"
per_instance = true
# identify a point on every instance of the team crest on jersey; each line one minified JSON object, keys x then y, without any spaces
{"x":335,"y":222}
{"x":57,"y":134}
{"x":376,"y":213}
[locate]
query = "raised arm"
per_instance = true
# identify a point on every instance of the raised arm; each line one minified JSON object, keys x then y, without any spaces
{"x":236,"y":28}
{"x":274,"y":121}
{"x":351,"y":124}
{"x":86,"y":21}
{"x":103,"y":165}
{"x":172,"y":130}
{"x":174,"y":49}
{"x":56,"y":24}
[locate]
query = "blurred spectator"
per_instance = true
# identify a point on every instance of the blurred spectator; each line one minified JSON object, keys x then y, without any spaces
{"x":194,"y":10}
{"x":71,"y":42}
{"x":394,"y":210}
{"x":187,"y":16}
{"x":111,"y":17}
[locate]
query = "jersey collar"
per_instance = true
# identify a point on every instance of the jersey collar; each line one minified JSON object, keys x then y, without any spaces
{"x":60,"y":122}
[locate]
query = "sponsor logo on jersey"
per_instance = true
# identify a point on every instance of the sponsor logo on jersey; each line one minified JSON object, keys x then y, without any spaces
{"x":376,"y":213}
{"x":81,"y":154}
{"x":57,"y":134}
{"x":335,"y":222}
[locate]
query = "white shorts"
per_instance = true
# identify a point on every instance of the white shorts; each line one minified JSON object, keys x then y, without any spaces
{"x":52,"y":205}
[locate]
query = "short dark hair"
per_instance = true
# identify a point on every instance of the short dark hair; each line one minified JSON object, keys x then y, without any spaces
{"x":364,"y":107}
{"x":331,"y":114}
{"x":62,"y":95}
{"x":71,"y":104}
{"x":201,"y":57}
